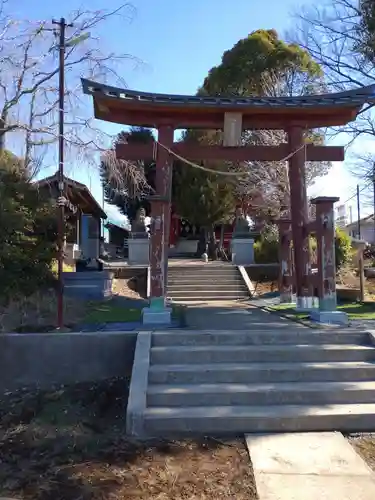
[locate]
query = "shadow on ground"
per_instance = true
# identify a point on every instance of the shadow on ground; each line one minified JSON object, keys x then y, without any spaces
{"x":234,"y":316}
{"x":70,"y":444}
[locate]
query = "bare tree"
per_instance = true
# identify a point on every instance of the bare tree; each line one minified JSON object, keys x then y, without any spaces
{"x":266,"y":184}
{"x":29,"y":83}
{"x":331,"y":33}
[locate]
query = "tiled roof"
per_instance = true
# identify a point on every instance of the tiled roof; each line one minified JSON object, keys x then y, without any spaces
{"x":355,"y":97}
{"x":75,"y":185}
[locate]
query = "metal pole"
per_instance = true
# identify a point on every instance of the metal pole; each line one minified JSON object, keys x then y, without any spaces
{"x":358,"y":214}
{"x":60,"y":216}
{"x":102,"y":232}
{"x":361,"y":276}
{"x":373,"y":184}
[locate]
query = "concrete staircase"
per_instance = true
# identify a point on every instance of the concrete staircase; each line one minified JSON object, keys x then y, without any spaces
{"x":260,"y":381}
{"x":206,"y":282}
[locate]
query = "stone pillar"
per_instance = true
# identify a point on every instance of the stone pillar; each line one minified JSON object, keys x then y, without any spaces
{"x":90,"y":236}
{"x":299,"y":216}
{"x":160,"y":217}
{"x":325,"y":235}
{"x":285,"y":261}
{"x":84,"y":246}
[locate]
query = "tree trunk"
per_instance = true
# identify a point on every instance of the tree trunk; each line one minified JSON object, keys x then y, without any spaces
{"x":202,"y":242}
{"x":212,"y":245}
{"x":2,"y":132}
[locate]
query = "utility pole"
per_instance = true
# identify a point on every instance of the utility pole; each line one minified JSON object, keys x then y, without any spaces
{"x":358,"y":214}
{"x":373,"y":185}
{"x":62,"y":25}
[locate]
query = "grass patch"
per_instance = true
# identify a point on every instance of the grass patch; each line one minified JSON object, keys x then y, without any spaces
{"x":108,"y":312}
{"x":355,"y":310}
{"x":111,"y":313}
{"x":289,"y":311}
{"x":358,"y":310}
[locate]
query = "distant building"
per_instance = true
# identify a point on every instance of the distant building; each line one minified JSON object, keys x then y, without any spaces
{"x":342,"y":217}
{"x":118,"y":235}
{"x":367,"y":229}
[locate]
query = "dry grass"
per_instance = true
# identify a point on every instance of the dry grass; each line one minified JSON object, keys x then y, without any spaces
{"x":348,"y":277}
{"x":125,"y":288}
{"x":70,"y":444}
{"x":263,"y":287}
{"x":39,"y":311}
{"x":364,"y":444}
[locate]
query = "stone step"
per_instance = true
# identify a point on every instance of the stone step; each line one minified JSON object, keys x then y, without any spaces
{"x":245,"y":419}
{"x":210,"y":283}
{"x":204,"y":276}
{"x":292,"y":393}
{"x":223,"y":292}
{"x":229,"y":268}
{"x":261,"y":354}
{"x":207,"y":298}
{"x":238,"y":373}
{"x":209,"y":271}
{"x":212,"y":288}
{"x":257,"y":337}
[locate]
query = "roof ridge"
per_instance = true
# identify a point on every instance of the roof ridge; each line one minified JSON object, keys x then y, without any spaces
{"x":90,"y":87}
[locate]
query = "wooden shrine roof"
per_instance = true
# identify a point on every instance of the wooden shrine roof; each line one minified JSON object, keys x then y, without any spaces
{"x":76,"y":192}
{"x":131,"y":107}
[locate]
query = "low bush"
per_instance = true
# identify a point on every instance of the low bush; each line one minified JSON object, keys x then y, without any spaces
{"x":343,"y":248}
{"x":266,"y":251}
{"x":27,"y":231}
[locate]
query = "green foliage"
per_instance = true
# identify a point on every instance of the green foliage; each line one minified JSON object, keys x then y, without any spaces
{"x":258,"y":63}
{"x":27,"y":231}
{"x":343,"y":248}
{"x":202,"y":198}
{"x":262,"y":64}
{"x":118,"y":194}
{"x":266,"y":249}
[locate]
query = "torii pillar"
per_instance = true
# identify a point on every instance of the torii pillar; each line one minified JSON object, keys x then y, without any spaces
{"x":286,"y":261}
{"x":160,"y":220}
{"x":299,"y":217}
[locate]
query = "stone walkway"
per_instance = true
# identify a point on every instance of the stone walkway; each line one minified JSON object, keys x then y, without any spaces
{"x":234,"y":316}
{"x":309,"y":466}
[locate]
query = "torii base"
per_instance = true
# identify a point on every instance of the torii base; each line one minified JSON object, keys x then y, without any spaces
{"x":329,"y":317}
{"x":156,"y":317}
{"x":157,"y":313}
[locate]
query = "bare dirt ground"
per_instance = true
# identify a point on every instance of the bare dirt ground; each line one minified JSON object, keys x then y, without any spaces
{"x":37,"y":312}
{"x":70,"y":444}
{"x":263,"y":287}
{"x":125,"y":288}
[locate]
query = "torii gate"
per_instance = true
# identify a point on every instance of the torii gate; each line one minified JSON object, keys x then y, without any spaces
{"x":295,"y":115}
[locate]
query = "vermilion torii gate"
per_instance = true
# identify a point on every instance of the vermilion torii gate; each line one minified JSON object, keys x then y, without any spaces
{"x":295,"y":115}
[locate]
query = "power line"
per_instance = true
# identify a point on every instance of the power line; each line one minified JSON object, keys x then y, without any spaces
{"x":356,"y":193}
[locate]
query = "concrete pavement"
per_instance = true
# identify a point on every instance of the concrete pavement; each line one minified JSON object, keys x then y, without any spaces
{"x":234,"y":315}
{"x":308,"y":466}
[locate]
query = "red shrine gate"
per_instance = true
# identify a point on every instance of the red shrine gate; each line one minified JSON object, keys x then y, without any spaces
{"x":295,"y":115}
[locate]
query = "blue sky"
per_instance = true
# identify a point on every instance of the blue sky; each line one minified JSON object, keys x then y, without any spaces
{"x":178,"y":42}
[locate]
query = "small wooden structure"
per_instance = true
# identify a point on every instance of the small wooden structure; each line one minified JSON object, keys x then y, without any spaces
{"x":117,"y":235}
{"x":294,"y":115}
{"x":83,"y":212}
